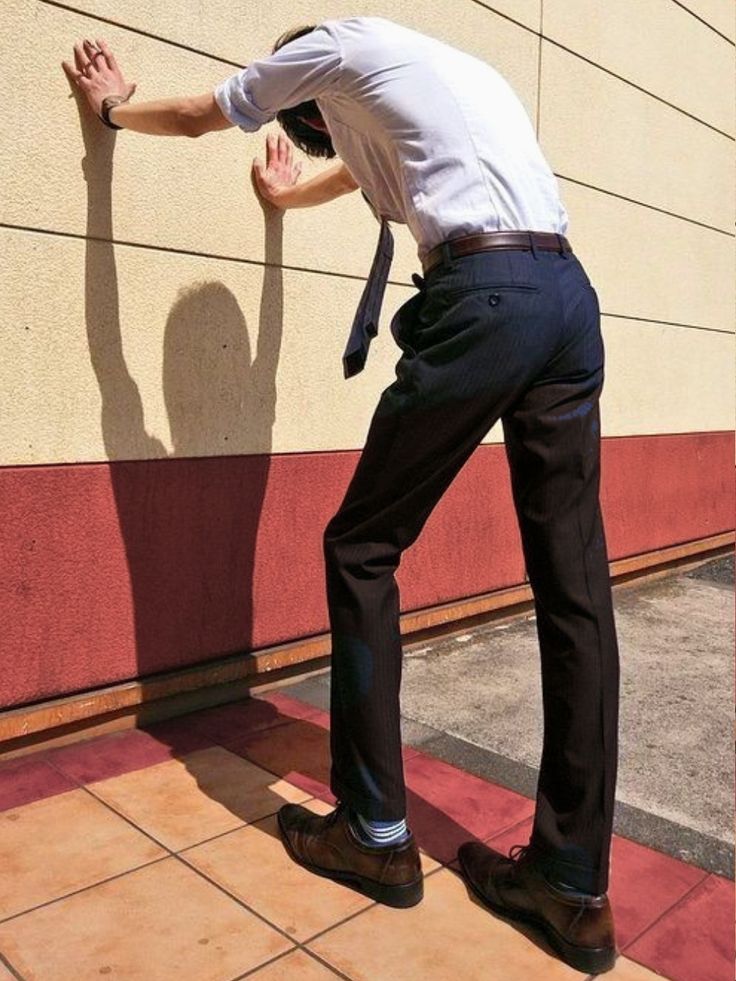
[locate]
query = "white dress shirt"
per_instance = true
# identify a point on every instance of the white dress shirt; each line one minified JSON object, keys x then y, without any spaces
{"x":435,"y":137}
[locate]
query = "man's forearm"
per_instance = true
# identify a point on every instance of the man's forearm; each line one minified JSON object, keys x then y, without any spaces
{"x":188,"y":116}
{"x":327,"y":186}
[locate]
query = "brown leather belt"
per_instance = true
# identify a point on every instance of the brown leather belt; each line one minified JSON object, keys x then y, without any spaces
{"x":487,"y":241}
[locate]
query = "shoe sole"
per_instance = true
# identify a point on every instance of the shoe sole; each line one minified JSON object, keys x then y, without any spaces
{"x":400,"y":896}
{"x":591,"y":960}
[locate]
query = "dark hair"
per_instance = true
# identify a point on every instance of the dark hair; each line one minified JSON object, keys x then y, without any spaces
{"x":312,"y":141}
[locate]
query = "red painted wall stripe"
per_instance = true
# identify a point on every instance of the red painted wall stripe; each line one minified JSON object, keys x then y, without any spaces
{"x":113,"y":571}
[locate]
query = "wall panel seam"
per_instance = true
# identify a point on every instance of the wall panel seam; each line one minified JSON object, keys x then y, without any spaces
{"x":70,"y":8}
{"x":173,"y":250}
{"x":226,"y":61}
{"x":640,"y":88}
{"x":645,"y":204}
{"x":705,"y":22}
{"x":539,"y":67}
{"x":669,"y":323}
{"x":169,"y":250}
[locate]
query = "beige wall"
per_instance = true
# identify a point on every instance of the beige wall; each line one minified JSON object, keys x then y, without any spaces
{"x":635,"y":114}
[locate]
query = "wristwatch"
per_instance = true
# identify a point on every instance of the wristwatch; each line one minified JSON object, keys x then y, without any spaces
{"x":108,"y":103}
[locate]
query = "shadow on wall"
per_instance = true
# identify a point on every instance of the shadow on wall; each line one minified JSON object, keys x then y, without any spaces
{"x":189,"y":525}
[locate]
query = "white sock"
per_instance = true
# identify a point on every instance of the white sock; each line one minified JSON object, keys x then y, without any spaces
{"x":381,"y":832}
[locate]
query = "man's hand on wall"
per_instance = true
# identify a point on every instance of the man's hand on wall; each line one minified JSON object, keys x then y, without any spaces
{"x":96,"y":73}
{"x":280,"y":172}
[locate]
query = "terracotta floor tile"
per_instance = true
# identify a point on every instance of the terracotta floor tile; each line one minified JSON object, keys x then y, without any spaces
{"x":447,"y":935}
{"x":298,"y":752}
{"x":26,"y":779}
{"x":123,"y":752}
{"x":183,"y":802}
{"x":253,"y":864}
{"x":5,"y":974}
{"x":447,"y":806}
{"x":158,"y":923}
{"x":296,"y":966}
{"x":57,"y":845}
{"x":695,"y":940}
{"x":628,"y":970}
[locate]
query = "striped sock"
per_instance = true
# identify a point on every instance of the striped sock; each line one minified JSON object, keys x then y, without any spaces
{"x":378,"y":833}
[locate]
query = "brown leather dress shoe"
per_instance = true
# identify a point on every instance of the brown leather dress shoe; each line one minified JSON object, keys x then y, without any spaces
{"x":579,"y":928}
{"x":327,"y":845}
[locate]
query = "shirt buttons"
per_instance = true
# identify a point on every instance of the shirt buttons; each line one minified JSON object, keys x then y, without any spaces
{"x":494,"y":298}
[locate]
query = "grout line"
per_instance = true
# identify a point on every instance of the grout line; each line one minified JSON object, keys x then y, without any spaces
{"x":170,"y":853}
{"x":705,"y":22}
{"x":178,"y":44}
{"x":87,"y":888}
{"x":184,"y":861}
{"x":6,"y":963}
{"x":309,"y":953}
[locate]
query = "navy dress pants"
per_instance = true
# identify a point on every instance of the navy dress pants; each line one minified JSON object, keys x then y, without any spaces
{"x":512,"y":335}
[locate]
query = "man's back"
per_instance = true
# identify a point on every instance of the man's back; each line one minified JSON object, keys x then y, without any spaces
{"x":436,"y":137}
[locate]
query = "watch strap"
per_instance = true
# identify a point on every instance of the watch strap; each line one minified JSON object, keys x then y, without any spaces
{"x":108,"y":103}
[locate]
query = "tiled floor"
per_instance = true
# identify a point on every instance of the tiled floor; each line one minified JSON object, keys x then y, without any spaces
{"x":155,"y":855}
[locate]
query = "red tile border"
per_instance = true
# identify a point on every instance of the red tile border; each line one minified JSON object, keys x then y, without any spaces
{"x":28,"y":779}
{"x":229,"y":724}
{"x":694,"y":941}
{"x":121,"y":752}
{"x":644,"y":884}
{"x":447,"y":806}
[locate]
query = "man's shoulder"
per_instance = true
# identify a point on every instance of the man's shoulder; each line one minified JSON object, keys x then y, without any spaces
{"x":361,"y":22}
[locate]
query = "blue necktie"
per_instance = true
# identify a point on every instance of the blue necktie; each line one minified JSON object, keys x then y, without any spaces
{"x":365,"y":324}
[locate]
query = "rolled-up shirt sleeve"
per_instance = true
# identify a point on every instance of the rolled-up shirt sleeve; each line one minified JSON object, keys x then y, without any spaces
{"x":300,"y":71}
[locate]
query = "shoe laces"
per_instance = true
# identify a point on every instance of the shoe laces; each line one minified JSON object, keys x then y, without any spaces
{"x":519,"y":852}
{"x":342,"y":805}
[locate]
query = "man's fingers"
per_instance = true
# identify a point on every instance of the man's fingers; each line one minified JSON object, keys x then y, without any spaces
{"x":72,"y":74}
{"x":258,"y":172}
{"x":80,"y":59}
{"x":109,"y":56}
{"x":283,"y":149}
{"x":97,"y":60}
{"x":271,"y":151}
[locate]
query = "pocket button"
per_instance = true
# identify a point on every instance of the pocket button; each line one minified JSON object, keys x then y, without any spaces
{"x":493,"y":299}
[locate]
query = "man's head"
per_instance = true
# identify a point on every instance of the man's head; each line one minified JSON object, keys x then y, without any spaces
{"x":304,"y":124}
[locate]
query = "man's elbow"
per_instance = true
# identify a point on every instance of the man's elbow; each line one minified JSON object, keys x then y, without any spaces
{"x":201,"y":115}
{"x":191,"y":122}
{"x":347,"y":181}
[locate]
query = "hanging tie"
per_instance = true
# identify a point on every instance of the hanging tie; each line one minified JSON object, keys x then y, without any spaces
{"x":365,"y":324}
